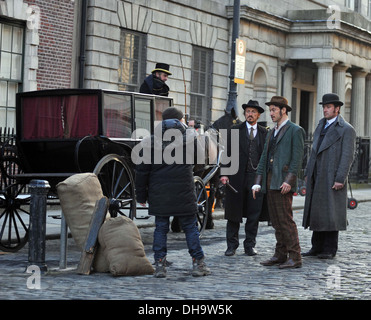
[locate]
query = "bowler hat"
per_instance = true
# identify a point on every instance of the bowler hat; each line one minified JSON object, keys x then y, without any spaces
{"x":279,"y":102}
{"x":253,"y":104}
{"x":331,"y":98}
{"x":163,"y":67}
{"x":172,"y":113}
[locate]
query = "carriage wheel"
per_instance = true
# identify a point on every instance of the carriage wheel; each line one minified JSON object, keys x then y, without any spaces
{"x":14,"y":208}
{"x":202,"y":203}
{"x":117,"y":184}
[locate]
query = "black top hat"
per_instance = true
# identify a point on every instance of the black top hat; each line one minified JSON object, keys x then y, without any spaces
{"x":163,"y":67}
{"x":253,"y":104}
{"x":331,"y":98}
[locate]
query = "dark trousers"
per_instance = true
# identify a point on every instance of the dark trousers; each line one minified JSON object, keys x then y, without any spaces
{"x":252,"y":209}
{"x":189,"y":226}
{"x":251,"y":229}
{"x":286,"y":232}
{"x":325,"y":242}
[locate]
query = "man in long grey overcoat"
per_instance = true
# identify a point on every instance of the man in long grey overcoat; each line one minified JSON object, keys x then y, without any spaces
{"x":326,"y":179}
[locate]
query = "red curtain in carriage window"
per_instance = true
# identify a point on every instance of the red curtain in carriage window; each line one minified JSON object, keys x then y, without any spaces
{"x":60,"y":117}
{"x":81,"y":116}
{"x":42,"y":117}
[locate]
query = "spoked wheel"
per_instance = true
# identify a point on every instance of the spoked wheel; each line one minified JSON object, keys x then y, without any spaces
{"x":202,"y":203}
{"x":14,"y":208}
{"x":117,"y":184}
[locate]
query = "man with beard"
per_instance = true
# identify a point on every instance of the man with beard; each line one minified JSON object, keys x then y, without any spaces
{"x":241,"y":204}
{"x":155,"y":82}
{"x":277,"y":176}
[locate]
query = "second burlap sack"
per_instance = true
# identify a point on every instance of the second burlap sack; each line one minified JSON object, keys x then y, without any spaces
{"x":122,"y":245}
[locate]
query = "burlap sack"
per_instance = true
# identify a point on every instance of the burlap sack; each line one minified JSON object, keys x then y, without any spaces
{"x":122,"y":245}
{"x":78,"y":195}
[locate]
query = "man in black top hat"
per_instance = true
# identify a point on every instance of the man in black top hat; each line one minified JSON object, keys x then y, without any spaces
{"x":241,"y":204}
{"x":326,"y":179}
{"x":155,"y":82}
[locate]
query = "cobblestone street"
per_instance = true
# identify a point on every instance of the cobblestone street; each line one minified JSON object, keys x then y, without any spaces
{"x":348,"y":276}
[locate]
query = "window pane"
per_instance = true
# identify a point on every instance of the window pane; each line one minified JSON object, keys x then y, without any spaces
{"x":3,"y":93}
{"x":117,"y":116}
{"x":195,"y":81}
{"x":5,"y":65}
{"x":132,"y":69}
{"x":2,"y":117}
{"x":12,"y":90}
{"x":142,"y":117}
{"x":203,"y":61}
{"x":16,"y":67}
{"x":10,"y":119}
{"x":6,"y":38}
{"x":17,"y":40}
{"x":201,"y":85}
{"x":127,"y":47}
{"x":136,"y":48}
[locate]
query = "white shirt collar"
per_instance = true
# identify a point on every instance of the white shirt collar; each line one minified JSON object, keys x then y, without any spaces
{"x":277,"y":129}
{"x":248,"y":125}
{"x":332,"y":120}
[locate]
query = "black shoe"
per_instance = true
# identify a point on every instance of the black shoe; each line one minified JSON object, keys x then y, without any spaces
{"x":250,"y":251}
{"x":325,"y":255}
{"x":230,"y":252}
{"x":210,"y":223}
{"x":310,"y":253}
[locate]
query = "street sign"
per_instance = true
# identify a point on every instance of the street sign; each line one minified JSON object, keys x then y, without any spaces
{"x":239,"y":70}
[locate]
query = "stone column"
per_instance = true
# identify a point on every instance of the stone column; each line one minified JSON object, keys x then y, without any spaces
{"x":368,"y":106}
{"x":357,"y":109}
{"x":324,"y":84}
{"x":287,"y":86}
{"x":339,"y":80}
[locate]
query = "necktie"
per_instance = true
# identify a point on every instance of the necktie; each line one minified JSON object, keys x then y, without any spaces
{"x":252,"y":133}
{"x":326,"y":125}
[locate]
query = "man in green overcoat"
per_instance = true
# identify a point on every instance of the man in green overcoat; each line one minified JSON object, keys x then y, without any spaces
{"x":277,"y":176}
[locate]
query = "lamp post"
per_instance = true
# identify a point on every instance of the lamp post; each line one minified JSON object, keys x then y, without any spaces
{"x":232,"y":94}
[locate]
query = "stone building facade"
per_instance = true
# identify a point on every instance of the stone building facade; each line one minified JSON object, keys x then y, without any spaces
{"x":37,"y":42}
{"x":300,"y":49}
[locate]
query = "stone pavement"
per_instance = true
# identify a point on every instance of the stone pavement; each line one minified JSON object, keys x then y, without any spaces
{"x":240,"y":277}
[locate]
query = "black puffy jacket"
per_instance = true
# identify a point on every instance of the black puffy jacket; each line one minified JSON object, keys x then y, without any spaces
{"x":168,"y":188}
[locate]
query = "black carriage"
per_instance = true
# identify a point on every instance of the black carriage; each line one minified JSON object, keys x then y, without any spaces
{"x":68,"y":131}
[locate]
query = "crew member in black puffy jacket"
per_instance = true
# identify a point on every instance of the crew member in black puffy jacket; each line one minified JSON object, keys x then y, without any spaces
{"x":169,"y":188}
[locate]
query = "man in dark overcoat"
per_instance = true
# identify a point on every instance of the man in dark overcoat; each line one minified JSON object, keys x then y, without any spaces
{"x":326,"y":179}
{"x":241,"y":204}
{"x":155,"y":82}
